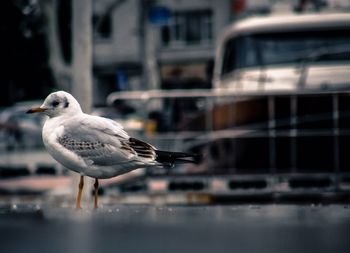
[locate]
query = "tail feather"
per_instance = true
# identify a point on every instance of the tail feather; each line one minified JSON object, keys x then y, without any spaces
{"x":167,"y":157}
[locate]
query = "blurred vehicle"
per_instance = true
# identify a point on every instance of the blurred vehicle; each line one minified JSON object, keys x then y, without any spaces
{"x":285,"y":53}
{"x":277,"y":121}
{"x":19,"y":130}
{"x":289,"y":109}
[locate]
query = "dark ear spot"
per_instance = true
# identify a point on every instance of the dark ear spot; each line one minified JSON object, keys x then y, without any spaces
{"x":65,"y":103}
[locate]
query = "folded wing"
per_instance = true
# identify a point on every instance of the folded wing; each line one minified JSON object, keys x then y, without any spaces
{"x":103,"y":142}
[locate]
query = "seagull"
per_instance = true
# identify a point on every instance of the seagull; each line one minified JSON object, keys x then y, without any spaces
{"x":95,"y":146}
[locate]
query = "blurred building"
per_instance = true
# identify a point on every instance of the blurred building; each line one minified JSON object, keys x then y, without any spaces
{"x":173,"y":40}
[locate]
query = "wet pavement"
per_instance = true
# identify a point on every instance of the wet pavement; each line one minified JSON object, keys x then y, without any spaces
{"x":144,"y":228}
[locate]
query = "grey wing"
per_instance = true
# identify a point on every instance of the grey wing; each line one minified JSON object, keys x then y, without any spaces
{"x":102,"y":142}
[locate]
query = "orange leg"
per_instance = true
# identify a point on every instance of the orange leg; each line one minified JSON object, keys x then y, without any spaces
{"x":81,"y":186}
{"x":96,"y":193}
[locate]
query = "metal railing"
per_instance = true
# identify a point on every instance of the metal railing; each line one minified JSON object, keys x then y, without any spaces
{"x":276,"y":142}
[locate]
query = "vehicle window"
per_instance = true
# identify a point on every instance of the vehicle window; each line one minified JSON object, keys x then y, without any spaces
{"x":286,"y":48}
{"x":229,"y":57}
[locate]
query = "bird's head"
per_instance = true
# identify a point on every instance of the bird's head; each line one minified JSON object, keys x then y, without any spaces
{"x":57,"y":104}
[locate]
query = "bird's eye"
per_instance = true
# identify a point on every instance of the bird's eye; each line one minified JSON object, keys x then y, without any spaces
{"x":55,"y":103}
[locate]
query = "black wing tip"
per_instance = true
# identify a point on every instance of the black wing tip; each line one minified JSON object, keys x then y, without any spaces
{"x":168,"y":157}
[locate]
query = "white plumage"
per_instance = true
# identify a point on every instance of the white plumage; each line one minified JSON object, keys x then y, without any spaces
{"x":95,"y":146}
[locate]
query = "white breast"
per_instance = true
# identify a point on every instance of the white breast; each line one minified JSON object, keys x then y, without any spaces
{"x":51,"y":131}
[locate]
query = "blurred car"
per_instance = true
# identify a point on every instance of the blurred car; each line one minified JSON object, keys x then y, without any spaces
{"x":285,"y":53}
{"x":19,"y":130}
{"x":286,"y":110}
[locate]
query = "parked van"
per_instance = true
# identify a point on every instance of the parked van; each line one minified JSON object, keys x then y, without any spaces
{"x":278,"y":119}
{"x":286,"y":81}
{"x":289,"y":53}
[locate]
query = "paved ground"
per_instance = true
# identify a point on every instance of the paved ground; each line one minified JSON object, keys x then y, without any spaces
{"x":123,"y":228}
